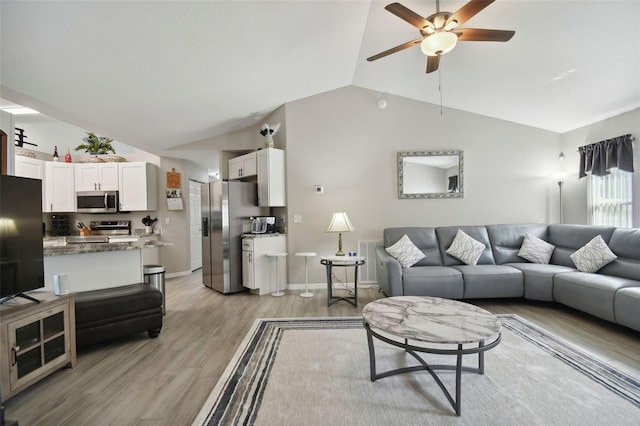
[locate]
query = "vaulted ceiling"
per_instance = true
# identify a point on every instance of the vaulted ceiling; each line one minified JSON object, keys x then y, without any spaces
{"x":156,"y":75}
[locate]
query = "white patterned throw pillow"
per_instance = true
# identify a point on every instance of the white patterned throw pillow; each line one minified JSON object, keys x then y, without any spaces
{"x":465,"y":248}
{"x":405,"y":252}
{"x":593,"y":256}
{"x":535,"y":250}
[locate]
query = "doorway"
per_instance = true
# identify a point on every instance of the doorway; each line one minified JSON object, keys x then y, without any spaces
{"x":195,"y":224}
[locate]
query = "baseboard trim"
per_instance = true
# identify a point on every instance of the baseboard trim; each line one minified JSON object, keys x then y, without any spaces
{"x":177,"y":274}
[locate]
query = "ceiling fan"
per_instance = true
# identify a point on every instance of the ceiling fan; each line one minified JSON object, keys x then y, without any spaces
{"x":441,"y":31}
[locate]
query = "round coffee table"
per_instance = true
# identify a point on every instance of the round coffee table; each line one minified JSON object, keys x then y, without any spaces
{"x":435,"y":326}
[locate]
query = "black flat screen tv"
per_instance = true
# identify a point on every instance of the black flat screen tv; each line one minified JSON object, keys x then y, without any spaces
{"x":21,"y":252}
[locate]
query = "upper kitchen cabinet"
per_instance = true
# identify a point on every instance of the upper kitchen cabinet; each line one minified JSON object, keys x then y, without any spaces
{"x":59,"y":187}
{"x":29,"y":167}
{"x":138,"y":186}
{"x":96,"y":176}
{"x":243,"y":166}
{"x":271,"y":184}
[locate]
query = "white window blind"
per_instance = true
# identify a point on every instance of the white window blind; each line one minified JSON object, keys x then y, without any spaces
{"x":611,"y":199}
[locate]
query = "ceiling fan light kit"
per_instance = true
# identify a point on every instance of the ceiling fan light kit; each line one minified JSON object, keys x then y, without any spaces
{"x":440,"y":32}
{"x":439,"y":43}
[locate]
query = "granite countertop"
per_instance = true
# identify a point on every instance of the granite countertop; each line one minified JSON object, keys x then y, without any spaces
{"x":275,"y":234}
{"x":100,"y":247}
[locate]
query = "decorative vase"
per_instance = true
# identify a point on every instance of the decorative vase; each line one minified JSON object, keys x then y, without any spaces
{"x":268,"y":141}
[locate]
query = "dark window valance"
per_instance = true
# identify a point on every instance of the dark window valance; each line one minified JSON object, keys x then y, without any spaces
{"x":600,"y":157}
{"x":453,"y":183}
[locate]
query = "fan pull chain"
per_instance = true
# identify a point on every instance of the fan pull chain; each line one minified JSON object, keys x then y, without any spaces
{"x":440,"y":87}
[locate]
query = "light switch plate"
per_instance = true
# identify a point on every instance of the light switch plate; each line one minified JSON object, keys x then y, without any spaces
{"x":297,"y":218}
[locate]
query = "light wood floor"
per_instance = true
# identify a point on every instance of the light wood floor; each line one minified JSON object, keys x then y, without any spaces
{"x":165,"y":381}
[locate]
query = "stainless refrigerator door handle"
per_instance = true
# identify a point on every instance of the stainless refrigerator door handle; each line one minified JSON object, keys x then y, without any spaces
{"x":205,"y":227}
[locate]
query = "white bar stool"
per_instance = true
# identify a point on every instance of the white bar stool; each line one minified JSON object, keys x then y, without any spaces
{"x":277,"y":255}
{"x":306,"y":255}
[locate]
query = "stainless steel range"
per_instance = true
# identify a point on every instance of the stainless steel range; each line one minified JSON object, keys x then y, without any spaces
{"x":104,"y":231}
{"x":110,"y":227}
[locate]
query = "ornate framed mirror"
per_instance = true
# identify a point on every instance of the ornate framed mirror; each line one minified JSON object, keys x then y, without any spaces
{"x":431,"y":174}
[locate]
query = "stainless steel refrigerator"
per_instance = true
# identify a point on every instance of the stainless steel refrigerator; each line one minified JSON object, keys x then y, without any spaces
{"x":226,"y":209}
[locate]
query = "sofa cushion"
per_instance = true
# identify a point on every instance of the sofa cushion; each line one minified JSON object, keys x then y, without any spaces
{"x":465,"y":248}
{"x":625,"y":243}
{"x":405,"y":252}
{"x":590,"y":293}
{"x":538,"y":279}
{"x":435,"y":281}
{"x":569,"y":238}
{"x":627,"y":306}
{"x":488,"y":281}
{"x":593,"y":256}
{"x":423,"y":237}
{"x":446,"y":234}
{"x":506,"y":240}
{"x":535,"y":250}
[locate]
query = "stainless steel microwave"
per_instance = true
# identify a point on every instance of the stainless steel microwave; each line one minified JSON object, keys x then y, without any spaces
{"x":97,"y":201}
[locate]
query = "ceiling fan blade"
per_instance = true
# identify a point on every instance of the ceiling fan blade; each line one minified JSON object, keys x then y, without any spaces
{"x":468,"y":11}
{"x":395,"y":49}
{"x":432,"y":63}
{"x":476,"y":34}
{"x":408,"y":15}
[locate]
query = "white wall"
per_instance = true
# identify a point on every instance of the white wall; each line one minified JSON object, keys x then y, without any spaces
{"x":341,"y":140}
{"x":423,"y":179}
{"x":575,"y":191}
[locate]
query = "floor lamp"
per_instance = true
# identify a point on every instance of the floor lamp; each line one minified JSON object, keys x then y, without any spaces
{"x":560,"y":183}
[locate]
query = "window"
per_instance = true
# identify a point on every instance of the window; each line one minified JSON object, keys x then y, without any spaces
{"x":611,"y":199}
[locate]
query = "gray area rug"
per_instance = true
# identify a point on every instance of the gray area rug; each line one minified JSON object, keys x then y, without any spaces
{"x":316,"y":372}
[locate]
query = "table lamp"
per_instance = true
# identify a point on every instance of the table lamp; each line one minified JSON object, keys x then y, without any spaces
{"x":340,"y":223}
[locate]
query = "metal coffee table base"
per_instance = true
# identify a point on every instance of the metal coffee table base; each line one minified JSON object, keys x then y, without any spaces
{"x":424,"y":366}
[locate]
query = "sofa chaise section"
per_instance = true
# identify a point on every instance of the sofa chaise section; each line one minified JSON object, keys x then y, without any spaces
{"x":596,"y":293}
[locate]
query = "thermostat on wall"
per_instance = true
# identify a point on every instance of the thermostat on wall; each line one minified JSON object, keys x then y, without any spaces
{"x":318,"y":189}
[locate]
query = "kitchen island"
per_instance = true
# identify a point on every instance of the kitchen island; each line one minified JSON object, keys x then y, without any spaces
{"x":95,"y":266}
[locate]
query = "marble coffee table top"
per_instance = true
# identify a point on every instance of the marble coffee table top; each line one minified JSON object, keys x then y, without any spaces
{"x":431,"y":319}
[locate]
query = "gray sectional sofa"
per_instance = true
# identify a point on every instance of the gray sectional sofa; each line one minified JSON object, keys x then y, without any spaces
{"x":612,"y":293}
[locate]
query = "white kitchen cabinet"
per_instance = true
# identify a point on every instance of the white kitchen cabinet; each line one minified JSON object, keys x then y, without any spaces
{"x":248,"y":270}
{"x":258,"y":269}
{"x":59,"y":187}
{"x":29,"y":167}
{"x":96,"y":176}
{"x":243,"y":166}
{"x":271,"y":184}
{"x":138,"y":186}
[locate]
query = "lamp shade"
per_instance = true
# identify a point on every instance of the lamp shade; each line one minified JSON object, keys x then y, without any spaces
{"x":439,"y":43}
{"x":340,"y":223}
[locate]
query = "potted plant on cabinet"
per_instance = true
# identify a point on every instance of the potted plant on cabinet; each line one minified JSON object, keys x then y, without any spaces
{"x":94,"y":144}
